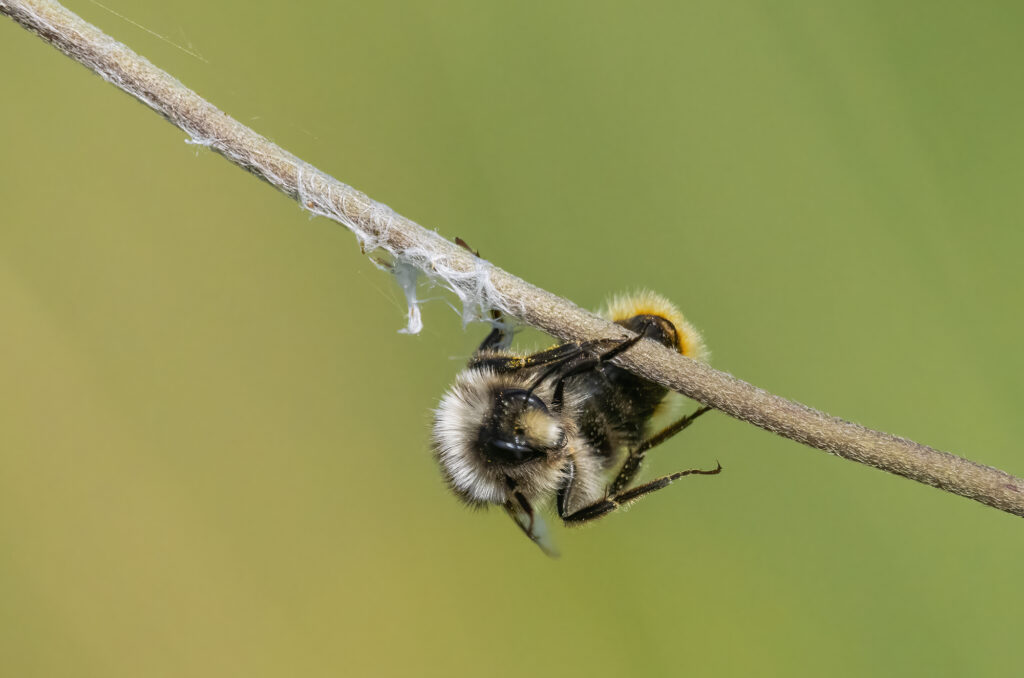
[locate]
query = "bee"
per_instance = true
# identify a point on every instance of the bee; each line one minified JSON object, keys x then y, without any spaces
{"x":563,"y":424}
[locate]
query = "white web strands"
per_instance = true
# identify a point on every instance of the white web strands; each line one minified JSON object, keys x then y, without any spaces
{"x":412,"y":251}
{"x":373,"y":224}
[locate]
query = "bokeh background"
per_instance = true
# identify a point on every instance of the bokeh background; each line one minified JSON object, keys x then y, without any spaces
{"x":214,"y":445}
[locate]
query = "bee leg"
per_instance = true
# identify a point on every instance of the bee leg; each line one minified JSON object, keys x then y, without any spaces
{"x":465,"y":245}
{"x":557,"y":356}
{"x":589,"y":364}
{"x":636,"y":456}
{"x":532,"y":525}
{"x":616,"y":501}
{"x":499,"y":336}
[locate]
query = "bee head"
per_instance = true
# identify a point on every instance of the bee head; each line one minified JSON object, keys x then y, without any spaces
{"x":491,"y":428}
{"x":520,"y":429}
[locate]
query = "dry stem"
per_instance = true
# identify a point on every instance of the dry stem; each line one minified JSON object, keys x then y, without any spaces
{"x":473,"y":281}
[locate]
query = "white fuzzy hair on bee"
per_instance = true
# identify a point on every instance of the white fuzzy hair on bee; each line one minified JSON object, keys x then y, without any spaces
{"x":564,"y":424}
{"x":457,"y":431}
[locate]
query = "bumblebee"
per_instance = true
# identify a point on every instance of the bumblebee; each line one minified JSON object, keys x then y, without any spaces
{"x":564,"y":423}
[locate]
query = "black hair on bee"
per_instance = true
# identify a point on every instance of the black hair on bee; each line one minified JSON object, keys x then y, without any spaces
{"x":564,"y":423}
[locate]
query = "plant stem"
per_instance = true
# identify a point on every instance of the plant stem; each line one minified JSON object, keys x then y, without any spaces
{"x":481,"y":285}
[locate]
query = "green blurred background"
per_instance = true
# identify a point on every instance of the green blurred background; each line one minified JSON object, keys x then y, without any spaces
{"x":214,"y":445}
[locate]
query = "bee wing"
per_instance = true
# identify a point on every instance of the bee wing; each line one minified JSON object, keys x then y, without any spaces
{"x":532,"y":525}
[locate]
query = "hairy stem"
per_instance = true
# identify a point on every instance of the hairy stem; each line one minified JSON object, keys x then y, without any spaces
{"x":480,"y":283}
